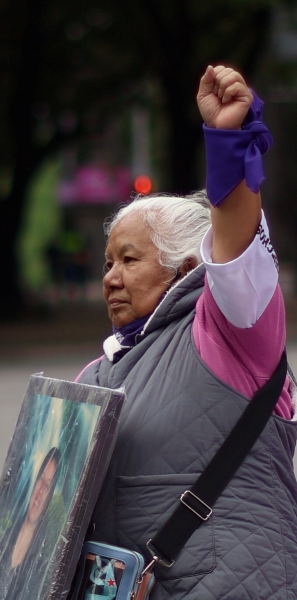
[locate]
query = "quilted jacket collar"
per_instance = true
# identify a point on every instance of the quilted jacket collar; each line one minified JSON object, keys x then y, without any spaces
{"x":179,"y":300}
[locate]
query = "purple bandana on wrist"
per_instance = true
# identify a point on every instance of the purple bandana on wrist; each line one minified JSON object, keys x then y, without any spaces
{"x":236,"y":155}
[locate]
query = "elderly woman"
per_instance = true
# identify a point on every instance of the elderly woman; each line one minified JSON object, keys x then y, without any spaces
{"x":191,"y":357}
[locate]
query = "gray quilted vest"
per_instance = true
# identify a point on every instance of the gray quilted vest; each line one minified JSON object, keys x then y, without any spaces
{"x":176,"y":416}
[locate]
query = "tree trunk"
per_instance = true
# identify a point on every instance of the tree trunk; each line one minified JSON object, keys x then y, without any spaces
{"x":185,"y":137}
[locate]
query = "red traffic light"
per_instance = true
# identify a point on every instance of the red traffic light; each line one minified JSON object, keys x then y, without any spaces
{"x":142,"y":184}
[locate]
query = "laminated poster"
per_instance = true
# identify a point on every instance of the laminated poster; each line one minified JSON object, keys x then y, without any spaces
{"x":56,"y":462}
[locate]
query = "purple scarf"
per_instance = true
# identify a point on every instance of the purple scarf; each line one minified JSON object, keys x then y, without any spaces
{"x":126,"y":335}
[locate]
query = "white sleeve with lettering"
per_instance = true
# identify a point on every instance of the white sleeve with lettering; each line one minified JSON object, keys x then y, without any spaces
{"x":243,"y":287}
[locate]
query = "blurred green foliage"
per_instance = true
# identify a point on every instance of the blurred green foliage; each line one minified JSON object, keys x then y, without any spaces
{"x":5,"y":523}
{"x":56,"y":519}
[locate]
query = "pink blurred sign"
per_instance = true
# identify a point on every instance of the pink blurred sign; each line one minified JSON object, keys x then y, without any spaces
{"x":93,"y":184}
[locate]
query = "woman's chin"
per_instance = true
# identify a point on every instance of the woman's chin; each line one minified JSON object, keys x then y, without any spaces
{"x":121,"y":317}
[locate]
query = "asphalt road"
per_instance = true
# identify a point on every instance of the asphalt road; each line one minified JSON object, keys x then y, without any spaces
{"x":14,"y":377}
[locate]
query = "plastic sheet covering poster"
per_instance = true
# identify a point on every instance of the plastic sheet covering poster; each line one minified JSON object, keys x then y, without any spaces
{"x":52,"y":476}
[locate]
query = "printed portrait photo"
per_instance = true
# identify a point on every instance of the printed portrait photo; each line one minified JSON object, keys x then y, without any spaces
{"x":44,"y":480}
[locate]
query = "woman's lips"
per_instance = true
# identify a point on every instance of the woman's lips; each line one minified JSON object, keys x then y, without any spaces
{"x":115,"y":302}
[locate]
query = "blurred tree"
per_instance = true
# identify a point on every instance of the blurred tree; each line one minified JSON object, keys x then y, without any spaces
{"x":67,"y":67}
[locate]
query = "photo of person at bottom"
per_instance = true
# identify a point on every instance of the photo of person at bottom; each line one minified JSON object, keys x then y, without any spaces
{"x":22,"y":549}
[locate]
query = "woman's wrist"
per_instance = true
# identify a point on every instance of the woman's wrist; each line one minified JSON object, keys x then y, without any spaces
{"x":234,"y":155}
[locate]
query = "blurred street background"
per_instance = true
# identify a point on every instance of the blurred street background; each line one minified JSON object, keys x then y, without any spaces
{"x":97,"y":104}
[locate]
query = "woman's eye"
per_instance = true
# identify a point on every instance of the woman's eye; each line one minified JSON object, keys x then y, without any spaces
{"x":106,"y":267}
{"x":128,"y":259}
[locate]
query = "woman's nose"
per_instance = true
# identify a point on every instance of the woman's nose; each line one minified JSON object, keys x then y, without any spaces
{"x":113,"y":277}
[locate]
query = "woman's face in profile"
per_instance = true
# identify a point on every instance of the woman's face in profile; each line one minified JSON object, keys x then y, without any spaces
{"x":135,"y":280}
{"x":40,"y":492}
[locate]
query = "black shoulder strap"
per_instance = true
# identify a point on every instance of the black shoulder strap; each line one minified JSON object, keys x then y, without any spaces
{"x":196,"y":504}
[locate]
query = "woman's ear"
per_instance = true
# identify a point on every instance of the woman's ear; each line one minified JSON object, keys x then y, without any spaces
{"x":188,"y":264}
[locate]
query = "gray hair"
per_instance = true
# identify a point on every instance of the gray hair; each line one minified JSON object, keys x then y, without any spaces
{"x":178,"y":224}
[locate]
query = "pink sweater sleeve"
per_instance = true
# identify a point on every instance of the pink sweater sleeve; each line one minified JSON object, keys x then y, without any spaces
{"x":244,"y":358}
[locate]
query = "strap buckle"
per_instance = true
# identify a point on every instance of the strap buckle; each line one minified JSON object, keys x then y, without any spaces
{"x":203,"y":518}
{"x":157,"y":559}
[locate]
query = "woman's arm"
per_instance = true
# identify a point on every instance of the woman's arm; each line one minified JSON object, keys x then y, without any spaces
{"x":239,"y":327}
{"x":224,"y":100}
